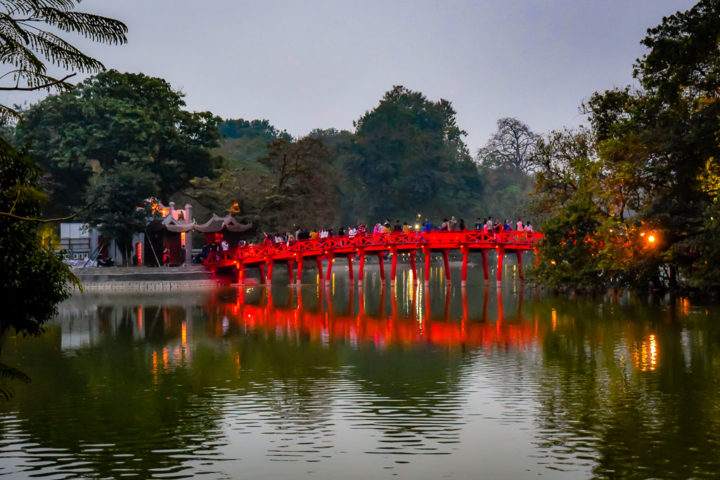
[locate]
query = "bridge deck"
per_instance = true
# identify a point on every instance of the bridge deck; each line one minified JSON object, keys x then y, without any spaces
{"x":237,"y":259}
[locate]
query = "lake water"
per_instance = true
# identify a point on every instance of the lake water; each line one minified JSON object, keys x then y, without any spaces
{"x":342,"y":382}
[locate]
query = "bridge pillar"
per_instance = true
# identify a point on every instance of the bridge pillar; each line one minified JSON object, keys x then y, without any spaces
{"x":446,"y":264}
{"x":412,"y":265}
{"x":320,"y":269}
{"x":485,"y":264}
{"x":361,"y":267}
{"x":350,"y":268}
{"x":328,"y":276}
{"x":269,"y":264}
{"x":298,"y":279}
{"x":519,"y":262}
{"x":426,"y":252}
{"x":465,"y":251}
{"x":500,"y":254}
{"x":393,"y":268}
{"x":381,"y":261}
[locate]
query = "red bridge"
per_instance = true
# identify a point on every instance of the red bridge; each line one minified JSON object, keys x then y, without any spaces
{"x":234,"y":261}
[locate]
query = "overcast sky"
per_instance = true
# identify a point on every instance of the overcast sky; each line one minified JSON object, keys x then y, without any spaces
{"x":320,"y":64}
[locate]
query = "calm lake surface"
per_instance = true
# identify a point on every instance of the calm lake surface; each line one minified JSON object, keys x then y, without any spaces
{"x":342,"y":382}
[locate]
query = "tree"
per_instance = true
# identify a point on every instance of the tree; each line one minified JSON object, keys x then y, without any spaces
{"x":303,"y":189}
{"x":28,"y":47}
{"x":118,"y":204}
{"x":512,"y":146}
{"x":115,"y":118}
{"x":657,"y":162}
{"x":408,"y":156}
{"x":34,"y":279}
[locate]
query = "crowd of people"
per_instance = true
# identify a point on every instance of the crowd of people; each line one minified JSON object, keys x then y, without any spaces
{"x":488,"y":225}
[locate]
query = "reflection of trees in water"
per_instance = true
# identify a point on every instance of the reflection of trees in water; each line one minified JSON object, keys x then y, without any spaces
{"x":411,"y":395}
{"x":101,"y":406}
{"x":630,"y":389}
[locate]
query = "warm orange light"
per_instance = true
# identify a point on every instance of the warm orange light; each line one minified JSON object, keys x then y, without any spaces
{"x":651,"y":239}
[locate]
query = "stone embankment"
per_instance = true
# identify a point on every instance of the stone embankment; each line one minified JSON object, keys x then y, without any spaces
{"x":144,"y":279}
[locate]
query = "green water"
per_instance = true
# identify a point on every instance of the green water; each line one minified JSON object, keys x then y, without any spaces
{"x":335,"y":382}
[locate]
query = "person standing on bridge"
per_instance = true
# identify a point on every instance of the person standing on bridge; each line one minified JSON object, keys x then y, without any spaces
{"x":528,"y":227}
{"x":452,"y":224}
{"x":461,"y":227}
{"x":406,"y":227}
{"x":519,"y":226}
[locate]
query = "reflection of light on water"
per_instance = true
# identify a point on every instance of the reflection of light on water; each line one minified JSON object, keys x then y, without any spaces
{"x":646,"y":354}
{"x":183,"y":334}
{"x":554,"y":319}
{"x":685,"y":306}
{"x":155,"y":367}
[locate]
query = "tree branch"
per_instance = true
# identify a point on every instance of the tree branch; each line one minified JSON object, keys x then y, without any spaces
{"x":43,"y":220}
{"x":39,"y":87}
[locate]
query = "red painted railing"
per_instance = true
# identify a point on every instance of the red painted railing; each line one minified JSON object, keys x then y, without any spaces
{"x":371,"y":243}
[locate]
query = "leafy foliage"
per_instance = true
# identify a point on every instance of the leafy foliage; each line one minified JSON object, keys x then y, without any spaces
{"x":303,"y":189}
{"x":655,"y":174}
{"x":34,"y":279}
{"x":408,"y":156}
{"x":30,"y":40}
{"x":115,"y":118}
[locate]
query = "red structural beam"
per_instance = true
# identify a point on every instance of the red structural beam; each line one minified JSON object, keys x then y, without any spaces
{"x":377,"y":244}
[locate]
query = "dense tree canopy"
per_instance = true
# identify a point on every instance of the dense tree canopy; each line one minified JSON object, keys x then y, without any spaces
{"x":118,"y":118}
{"x":655,"y":163}
{"x":408,"y":157}
{"x":34,"y":279}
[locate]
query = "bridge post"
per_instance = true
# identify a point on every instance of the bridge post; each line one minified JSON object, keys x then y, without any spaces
{"x":361,"y":267}
{"x":426,"y":252}
{"x":320,"y":269}
{"x":519,"y":262}
{"x":328,"y":276}
{"x":269,"y":263}
{"x":381,"y":260}
{"x":291,"y":275}
{"x":485,"y":264}
{"x":261,"y":268}
{"x":500,"y":253}
{"x":465,"y":251}
{"x":412,"y":265}
{"x":298,"y":279}
{"x":393,"y":268}
{"x":241,"y":273}
{"x":350,"y":268}
{"x":446,"y":264}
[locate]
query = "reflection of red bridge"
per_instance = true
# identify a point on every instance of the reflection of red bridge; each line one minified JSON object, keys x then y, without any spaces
{"x":382,"y":329}
{"x":264,"y":257}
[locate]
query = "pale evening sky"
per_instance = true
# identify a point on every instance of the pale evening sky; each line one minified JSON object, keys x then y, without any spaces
{"x":320,"y":64}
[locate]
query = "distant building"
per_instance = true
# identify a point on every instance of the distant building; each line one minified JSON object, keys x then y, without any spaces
{"x":170,"y":232}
